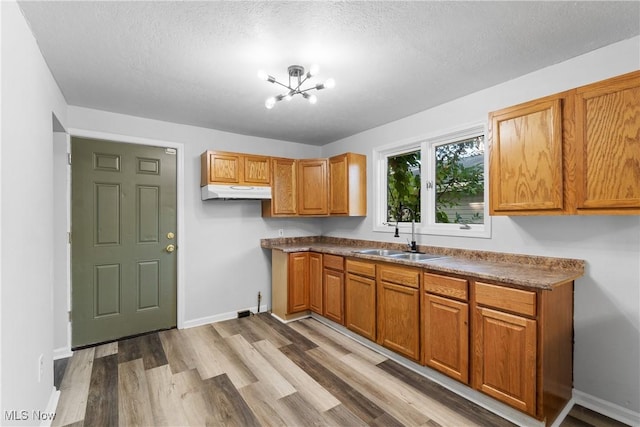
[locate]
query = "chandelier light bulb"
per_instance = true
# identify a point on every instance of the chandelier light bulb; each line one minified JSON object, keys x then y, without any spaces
{"x":314,"y":70}
{"x":287,"y":97}
{"x":330,"y":84}
{"x":313,"y":99}
{"x":270,"y":102}
{"x":262,"y":75}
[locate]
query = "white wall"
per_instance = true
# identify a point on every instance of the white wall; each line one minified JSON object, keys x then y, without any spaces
{"x":225,"y":267}
{"x":29,"y":97}
{"x":607,"y":298}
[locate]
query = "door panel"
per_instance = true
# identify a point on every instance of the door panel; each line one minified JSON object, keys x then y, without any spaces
{"x":123,"y":206}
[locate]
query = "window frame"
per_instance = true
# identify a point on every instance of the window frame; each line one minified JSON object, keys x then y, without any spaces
{"x":427,"y":145}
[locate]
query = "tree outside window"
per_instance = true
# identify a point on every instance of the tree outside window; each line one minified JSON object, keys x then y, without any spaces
{"x":460,"y":182}
{"x":403,"y":186}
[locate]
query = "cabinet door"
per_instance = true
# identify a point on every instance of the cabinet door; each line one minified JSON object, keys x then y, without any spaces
{"x":334,"y":295}
{"x":360,"y":305}
{"x":348,"y":185}
{"x":608,"y":148}
{"x":315,"y":282}
{"x":505,"y":358}
{"x":298,"y":282}
{"x":445,"y":336}
{"x":339,"y":185}
{"x":399,"y":319}
{"x":312,"y":187}
{"x":525,"y":157}
{"x":283,"y":188}
{"x":224,"y":167}
{"x":257,"y":170}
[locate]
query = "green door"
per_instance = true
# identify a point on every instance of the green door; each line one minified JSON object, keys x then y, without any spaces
{"x":123,"y":225}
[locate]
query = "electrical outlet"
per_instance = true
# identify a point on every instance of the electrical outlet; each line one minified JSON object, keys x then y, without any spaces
{"x":281,"y":232}
{"x":40,"y":367}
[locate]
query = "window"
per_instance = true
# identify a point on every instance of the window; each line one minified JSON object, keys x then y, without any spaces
{"x":437,"y":181}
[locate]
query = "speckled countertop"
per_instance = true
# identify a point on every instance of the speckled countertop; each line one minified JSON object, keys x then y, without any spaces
{"x":521,"y":271}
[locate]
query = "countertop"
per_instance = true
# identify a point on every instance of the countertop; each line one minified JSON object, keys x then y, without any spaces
{"x":516,"y":270}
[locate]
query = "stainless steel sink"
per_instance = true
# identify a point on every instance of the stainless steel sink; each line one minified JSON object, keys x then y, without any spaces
{"x":415,"y":256}
{"x":393,"y":253}
{"x":380,"y":252}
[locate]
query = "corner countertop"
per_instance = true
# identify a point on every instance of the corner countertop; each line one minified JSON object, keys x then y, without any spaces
{"x":516,"y":270}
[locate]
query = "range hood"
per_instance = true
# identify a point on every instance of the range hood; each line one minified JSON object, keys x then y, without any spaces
{"x":235,"y":192}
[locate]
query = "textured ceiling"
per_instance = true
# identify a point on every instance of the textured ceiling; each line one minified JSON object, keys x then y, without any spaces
{"x":196,"y":62}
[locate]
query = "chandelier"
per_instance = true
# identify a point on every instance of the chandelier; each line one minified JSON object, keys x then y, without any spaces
{"x":297,"y":77}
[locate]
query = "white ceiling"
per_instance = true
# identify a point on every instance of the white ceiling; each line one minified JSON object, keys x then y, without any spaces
{"x":196,"y":62}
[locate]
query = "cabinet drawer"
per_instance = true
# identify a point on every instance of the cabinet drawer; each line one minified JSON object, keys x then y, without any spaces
{"x":514,"y":300}
{"x":399,"y":275}
{"x":451,"y":287}
{"x":362,"y":268}
{"x":334,"y":261}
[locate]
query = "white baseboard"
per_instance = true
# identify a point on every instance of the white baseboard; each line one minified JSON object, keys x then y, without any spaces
{"x":62,"y":353}
{"x":281,"y":320}
{"x":46,"y":420}
{"x":219,"y":317}
{"x":565,"y":411}
{"x":611,"y":410}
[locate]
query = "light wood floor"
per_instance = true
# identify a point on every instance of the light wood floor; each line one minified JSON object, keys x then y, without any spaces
{"x":250,"y":372}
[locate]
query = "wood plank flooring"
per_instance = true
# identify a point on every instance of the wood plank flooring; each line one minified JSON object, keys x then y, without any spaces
{"x":253,"y":371}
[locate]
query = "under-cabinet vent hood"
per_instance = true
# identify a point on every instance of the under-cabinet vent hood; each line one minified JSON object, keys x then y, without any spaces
{"x":235,"y":192}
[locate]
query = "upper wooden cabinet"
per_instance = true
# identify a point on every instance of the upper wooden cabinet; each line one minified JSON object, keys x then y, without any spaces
{"x":348,"y":185}
{"x":608,"y":128}
{"x":573,"y":152}
{"x":312,"y":187}
{"x":221,"y":167}
{"x":526,"y":170}
{"x":283,"y":189}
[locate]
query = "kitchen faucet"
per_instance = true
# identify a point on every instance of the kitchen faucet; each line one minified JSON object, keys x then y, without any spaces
{"x":413,"y":247}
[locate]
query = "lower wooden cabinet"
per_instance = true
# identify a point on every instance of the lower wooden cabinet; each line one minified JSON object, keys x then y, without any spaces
{"x":315,"y":283}
{"x":333,"y":286}
{"x":515,"y":345}
{"x":298,"y":282}
{"x":523,"y":347}
{"x":360,"y":298}
{"x":399,"y":310}
{"x":445,"y":325}
{"x":505,"y":349}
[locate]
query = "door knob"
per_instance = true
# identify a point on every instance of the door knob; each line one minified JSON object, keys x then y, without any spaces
{"x":170,"y":248}
{"x":170,"y":235}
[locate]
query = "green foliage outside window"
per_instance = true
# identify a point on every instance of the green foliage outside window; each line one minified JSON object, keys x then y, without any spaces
{"x":459,"y":183}
{"x":403,"y":186}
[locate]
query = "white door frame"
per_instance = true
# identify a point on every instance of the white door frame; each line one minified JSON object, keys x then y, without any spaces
{"x":180,"y":232}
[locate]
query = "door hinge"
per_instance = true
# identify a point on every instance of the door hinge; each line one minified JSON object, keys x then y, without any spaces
{"x":69,"y":158}
{"x":69,"y":236}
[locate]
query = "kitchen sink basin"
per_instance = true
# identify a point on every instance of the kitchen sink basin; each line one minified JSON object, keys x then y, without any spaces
{"x":380,"y":252}
{"x":414,"y":256}
{"x":396,"y":254}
